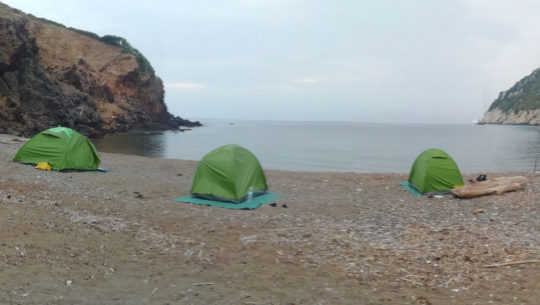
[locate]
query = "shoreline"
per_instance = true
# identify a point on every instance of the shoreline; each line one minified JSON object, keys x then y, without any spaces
{"x":343,"y":237}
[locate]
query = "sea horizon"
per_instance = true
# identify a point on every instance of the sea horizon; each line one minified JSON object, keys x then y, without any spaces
{"x":202,"y":120}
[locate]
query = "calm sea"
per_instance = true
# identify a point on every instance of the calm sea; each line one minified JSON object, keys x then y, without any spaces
{"x":341,"y":146}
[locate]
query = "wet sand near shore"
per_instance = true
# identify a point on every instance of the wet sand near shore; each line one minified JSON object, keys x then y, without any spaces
{"x":344,"y":238}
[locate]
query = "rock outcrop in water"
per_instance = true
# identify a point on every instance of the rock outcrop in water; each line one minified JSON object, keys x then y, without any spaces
{"x":519,"y":105}
{"x":51,"y":75}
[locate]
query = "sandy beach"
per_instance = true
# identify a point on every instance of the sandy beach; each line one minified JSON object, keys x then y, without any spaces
{"x":343,"y":238}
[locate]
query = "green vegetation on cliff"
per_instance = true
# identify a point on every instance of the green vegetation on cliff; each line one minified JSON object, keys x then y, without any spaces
{"x":524,"y":95}
{"x":144,"y":64}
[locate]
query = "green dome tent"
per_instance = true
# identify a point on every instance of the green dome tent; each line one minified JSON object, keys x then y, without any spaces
{"x":63,"y":148}
{"x":434,"y":171}
{"x":227,"y":173}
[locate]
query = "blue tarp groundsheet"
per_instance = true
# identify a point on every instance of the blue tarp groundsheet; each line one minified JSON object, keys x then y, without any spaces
{"x":408,"y":187}
{"x":253,"y":204}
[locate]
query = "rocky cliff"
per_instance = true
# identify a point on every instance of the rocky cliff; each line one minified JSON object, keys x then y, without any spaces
{"x":51,"y":75}
{"x":519,"y":105}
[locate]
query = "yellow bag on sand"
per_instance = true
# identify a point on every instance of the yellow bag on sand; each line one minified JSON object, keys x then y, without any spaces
{"x":44,"y":166}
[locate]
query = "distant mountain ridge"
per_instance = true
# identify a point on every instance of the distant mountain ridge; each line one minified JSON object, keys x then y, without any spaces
{"x":52,"y":75}
{"x":519,"y":105}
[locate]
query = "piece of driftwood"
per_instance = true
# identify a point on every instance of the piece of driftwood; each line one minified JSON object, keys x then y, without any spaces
{"x":512,"y":263}
{"x":497,"y":186}
{"x":203,"y":284}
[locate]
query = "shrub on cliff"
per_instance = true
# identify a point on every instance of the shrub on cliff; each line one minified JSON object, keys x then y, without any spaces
{"x":127,"y":48}
{"x":85,"y":33}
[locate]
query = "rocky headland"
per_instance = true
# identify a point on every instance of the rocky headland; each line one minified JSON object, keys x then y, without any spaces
{"x":519,"y":105}
{"x":52,"y":75}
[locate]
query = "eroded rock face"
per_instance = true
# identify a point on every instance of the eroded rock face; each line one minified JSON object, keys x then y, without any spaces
{"x":51,"y":75}
{"x":523,"y":117}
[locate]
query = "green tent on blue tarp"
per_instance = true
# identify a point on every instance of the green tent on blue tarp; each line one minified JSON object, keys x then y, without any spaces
{"x":434,"y":171}
{"x":62,"y":147}
{"x":227,"y":174}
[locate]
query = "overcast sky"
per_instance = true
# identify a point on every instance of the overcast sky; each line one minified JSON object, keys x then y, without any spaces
{"x":423,"y":61}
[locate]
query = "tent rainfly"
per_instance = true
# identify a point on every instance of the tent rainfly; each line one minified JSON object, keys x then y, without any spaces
{"x":229,"y":173}
{"x":434,"y":171}
{"x":61,"y":147}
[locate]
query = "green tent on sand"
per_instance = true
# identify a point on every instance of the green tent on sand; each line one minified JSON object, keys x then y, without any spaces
{"x":433,"y":171}
{"x":63,"y":148}
{"x":230,"y":176}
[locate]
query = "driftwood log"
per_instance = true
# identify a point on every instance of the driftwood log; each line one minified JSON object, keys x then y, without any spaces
{"x":496,"y":186}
